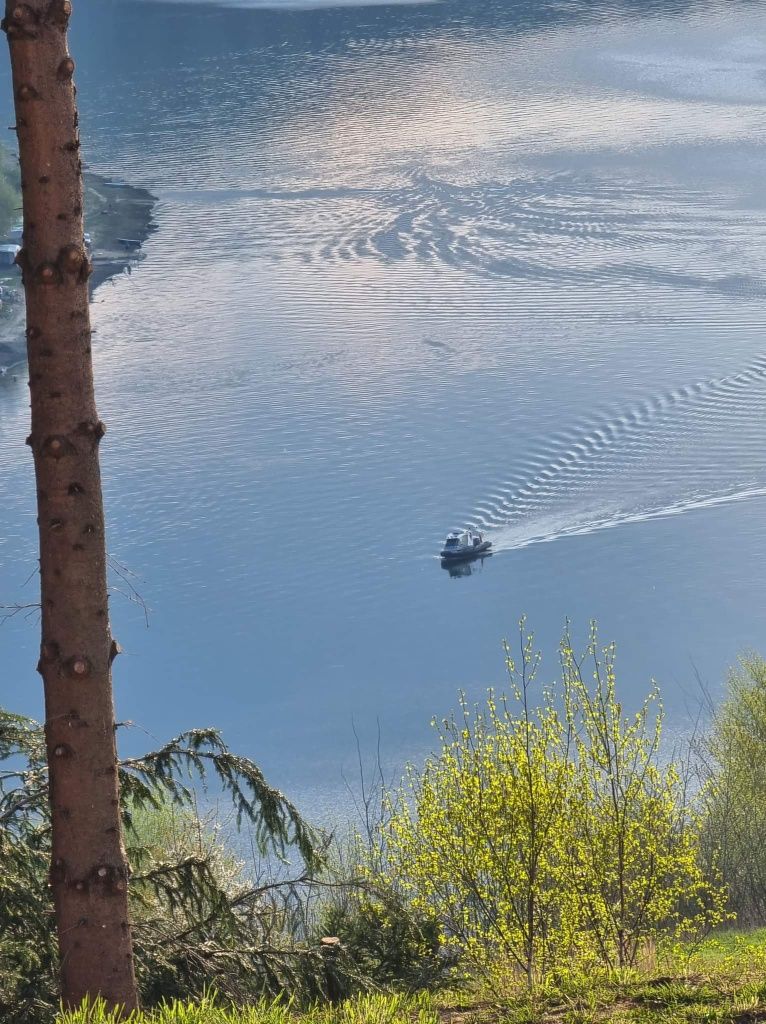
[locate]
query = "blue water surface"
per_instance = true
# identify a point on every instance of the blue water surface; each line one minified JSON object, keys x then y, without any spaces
{"x":417,"y":266}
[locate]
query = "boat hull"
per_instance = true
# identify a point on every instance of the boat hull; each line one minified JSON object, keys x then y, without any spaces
{"x":466,"y":554}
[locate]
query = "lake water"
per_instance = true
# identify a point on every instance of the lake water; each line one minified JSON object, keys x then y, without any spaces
{"x":416,"y":266}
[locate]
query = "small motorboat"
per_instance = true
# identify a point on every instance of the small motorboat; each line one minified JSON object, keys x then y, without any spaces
{"x":464,"y":544}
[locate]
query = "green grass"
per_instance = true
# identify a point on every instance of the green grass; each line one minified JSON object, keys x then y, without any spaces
{"x":374,"y":1009}
{"x":722,"y":981}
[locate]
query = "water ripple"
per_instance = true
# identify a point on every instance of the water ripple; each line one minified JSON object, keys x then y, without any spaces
{"x":691,"y":447}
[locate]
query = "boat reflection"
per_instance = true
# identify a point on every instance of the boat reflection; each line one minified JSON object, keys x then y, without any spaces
{"x":456,"y":569}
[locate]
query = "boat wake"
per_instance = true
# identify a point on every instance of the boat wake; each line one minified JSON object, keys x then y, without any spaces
{"x":694,"y":447}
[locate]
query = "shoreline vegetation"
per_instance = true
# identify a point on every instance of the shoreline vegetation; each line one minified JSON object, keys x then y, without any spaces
{"x":114,"y":210}
{"x":546,"y":863}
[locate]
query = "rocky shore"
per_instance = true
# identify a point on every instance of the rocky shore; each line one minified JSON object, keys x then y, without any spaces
{"x":118,"y":218}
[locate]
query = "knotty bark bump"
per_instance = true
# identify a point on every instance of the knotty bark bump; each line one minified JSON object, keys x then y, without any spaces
{"x":89,"y":872}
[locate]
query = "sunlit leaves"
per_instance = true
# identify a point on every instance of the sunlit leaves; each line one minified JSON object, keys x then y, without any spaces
{"x":734,"y":766}
{"x":546,"y":834}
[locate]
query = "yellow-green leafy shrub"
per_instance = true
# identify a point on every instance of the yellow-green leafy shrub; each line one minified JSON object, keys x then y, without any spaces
{"x":548,"y":837}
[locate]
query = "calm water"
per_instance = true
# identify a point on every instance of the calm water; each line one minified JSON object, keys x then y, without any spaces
{"x":418,"y":265}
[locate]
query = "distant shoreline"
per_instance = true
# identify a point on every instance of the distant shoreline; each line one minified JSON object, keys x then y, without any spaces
{"x":114,"y":210}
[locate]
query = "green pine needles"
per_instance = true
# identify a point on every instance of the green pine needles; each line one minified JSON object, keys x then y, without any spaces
{"x":200,"y":914}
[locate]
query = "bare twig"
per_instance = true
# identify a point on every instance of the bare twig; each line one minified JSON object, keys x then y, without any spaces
{"x":132,"y":594}
{"x":10,"y":611}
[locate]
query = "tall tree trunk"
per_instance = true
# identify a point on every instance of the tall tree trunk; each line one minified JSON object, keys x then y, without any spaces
{"x":89,"y":873}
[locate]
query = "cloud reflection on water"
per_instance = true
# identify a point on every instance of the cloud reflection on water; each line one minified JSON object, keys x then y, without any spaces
{"x":296,"y":5}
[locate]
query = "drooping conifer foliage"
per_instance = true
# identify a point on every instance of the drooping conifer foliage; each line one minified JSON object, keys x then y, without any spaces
{"x":201,"y":916}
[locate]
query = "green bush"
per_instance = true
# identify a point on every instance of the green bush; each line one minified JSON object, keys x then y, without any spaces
{"x":388,"y":943}
{"x":734,"y":766}
{"x":544,"y":838}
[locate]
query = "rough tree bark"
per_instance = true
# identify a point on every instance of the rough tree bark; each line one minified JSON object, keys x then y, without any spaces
{"x":89,"y":873}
